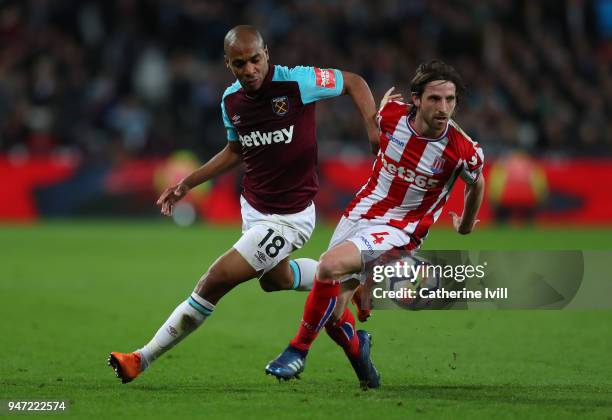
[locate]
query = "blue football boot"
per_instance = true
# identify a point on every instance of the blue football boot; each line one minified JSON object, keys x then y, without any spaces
{"x":363,"y":366}
{"x":289,"y":364}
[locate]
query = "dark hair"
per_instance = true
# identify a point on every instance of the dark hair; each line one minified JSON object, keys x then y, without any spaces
{"x":436,"y":70}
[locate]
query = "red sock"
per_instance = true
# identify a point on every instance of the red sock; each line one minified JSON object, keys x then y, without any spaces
{"x":319,"y":306}
{"x":343,"y":333}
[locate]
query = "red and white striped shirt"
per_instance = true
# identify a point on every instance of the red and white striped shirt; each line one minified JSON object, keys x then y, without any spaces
{"x":412,"y":176}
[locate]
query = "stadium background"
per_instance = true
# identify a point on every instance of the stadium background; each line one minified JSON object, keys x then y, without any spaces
{"x":103,"y":103}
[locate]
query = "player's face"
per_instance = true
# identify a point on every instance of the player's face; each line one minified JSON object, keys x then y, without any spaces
{"x":248,"y":61}
{"x":436,"y":105}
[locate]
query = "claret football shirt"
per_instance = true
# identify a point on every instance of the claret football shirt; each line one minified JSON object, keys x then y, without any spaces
{"x":276,"y":128}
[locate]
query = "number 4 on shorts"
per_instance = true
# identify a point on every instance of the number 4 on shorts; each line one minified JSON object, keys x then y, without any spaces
{"x":379,"y":237}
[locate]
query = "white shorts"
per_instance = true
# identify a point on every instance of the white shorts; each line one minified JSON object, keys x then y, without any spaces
{"x":371,"y":240}
{"x":268,"y":238}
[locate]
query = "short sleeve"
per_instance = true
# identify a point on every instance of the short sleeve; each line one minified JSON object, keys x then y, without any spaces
{"x":473,"y":162}
{"x":379,"y":117}
{"x":315,"y":83}
{"x":231,"y":130}
{"x":389,"y":115}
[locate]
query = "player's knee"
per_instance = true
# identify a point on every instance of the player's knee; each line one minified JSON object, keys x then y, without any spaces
{"x":276,"y":280}
{"x":212,"y":279}
{"x":329,"y":268}
{"x":268,"y":286}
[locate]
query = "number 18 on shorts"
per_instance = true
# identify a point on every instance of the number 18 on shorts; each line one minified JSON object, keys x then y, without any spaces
{"x":268,"y":239}
{"x":263,"y":248}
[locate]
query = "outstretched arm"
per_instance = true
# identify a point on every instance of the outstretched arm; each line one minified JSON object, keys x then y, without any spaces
{"x":223,"y":161}
{"x":360,"y":92}
{"x":472,"y":201}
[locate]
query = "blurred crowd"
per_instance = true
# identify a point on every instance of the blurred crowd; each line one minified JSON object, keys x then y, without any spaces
{"x":116,"y":78}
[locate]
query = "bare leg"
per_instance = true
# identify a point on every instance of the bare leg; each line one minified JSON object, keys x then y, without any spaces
{"x":279,"y":278}
{"x":227,"y":272}
{"x":296,"y":274}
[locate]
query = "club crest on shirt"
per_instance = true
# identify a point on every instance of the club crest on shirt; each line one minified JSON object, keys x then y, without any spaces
{"x":280,"y":105}
{"x":438,"y":165}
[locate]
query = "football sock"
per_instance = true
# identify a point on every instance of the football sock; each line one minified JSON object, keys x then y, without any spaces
{"x":188,"y":316}
{"x":319,"y":306}
{"x":304,"y":270}
{"x":343,"y":333}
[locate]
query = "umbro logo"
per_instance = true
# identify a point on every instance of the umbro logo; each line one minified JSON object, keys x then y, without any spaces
{"x":261,"y":257}
{"x":172,"y":331}
{"x":236,"y":119}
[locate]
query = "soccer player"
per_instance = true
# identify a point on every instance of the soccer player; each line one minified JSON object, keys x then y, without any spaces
{"x":422,"y":152}
{"x":269,"y":114}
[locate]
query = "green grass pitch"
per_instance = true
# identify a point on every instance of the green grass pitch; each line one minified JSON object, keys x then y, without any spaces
{"x":71,"y":292}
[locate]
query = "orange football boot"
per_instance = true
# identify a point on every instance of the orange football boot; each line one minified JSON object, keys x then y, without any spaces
{"x":363,"y":304}
{"x":126,"y":365}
